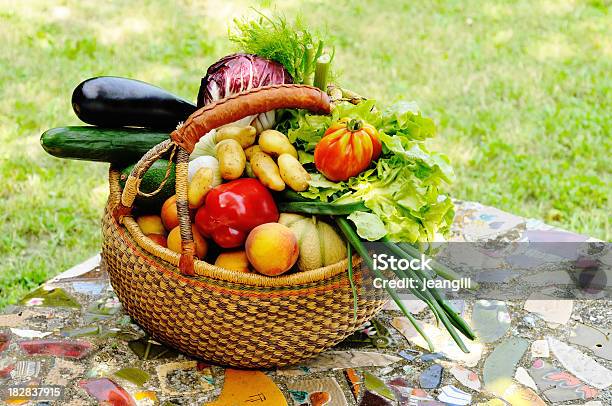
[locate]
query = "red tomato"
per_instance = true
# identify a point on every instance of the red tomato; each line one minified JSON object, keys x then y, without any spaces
{"x":347,"y":149}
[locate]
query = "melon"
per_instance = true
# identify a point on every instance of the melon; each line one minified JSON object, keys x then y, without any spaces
{"x":320,"y":245}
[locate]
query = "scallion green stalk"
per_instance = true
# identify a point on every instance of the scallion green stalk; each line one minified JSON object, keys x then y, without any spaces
{"x":447,"y":306}
{"x":321,"y":208}
{"x":440,"y":269}
{"x":309,"y":55}
{"x":351,"y":281}
{"x":450,"y":319}
{"x":354,"y":240}
{"x":440,"y":307}
{"x":322,"y":72}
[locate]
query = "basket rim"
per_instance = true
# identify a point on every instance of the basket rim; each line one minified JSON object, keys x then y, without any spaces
{"x":204,"y":269}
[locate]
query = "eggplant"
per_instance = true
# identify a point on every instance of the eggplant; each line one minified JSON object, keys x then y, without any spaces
{"x":109,"y":101}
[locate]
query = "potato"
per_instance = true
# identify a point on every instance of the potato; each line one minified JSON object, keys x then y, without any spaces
{"x":276,"y":143}
{"x":231,"y":159}
{"x":244,"y":135}
{"x":293,"y":173}
{"x":251,"y":150}
{"x":199,"y":186}
{"x":266,"y":171}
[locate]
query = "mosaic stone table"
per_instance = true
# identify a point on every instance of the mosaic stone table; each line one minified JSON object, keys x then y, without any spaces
{"x":72,"y":334}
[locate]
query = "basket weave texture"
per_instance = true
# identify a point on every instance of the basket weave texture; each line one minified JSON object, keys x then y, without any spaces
{"x":227,"y":317}
{"x":237,"y":324}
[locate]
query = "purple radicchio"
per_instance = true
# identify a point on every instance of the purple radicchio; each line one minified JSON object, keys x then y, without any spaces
{"x":238,"y":72}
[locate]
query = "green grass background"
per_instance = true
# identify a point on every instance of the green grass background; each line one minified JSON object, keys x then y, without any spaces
{"x":520,"y":91}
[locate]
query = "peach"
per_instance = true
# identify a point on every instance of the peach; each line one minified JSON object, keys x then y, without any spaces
{"x":169,"y":213}
{"x":272,"y":249}
{"x":233,"y":260}
{"x":174,"y":242}
{"x":151,"y":224}
{"x":159,"y":239}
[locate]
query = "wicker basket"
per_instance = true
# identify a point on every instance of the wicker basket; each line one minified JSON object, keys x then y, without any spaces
{"x":222,"y":316}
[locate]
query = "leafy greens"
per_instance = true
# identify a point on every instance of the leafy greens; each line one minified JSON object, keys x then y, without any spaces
{"x":290,"y":44}
{"x":404,"y":189}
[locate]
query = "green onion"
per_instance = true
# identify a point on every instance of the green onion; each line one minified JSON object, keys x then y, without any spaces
{"x":440,"y":307}
{"x":321,"y":208}
{"x":449,"y":309}
{"x":354,"y":240}
{"x":445,"y":313}
{"x":350,"y":275}
{"x":291,"y":196}
{"x":440,"y":269}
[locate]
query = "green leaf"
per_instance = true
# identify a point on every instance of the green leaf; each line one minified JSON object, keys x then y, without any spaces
{"x":302,"y":128}
{"x":369,"y":226}
{"x":364,"y":110}
{"x":405,"y":119}
{"x":322,"y":189}
{"x":305,"y":158}
{"x":403,"y":189}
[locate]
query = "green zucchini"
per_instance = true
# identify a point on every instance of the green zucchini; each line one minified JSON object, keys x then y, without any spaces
{"x":117,"y":146}
{"x":151,"y":181}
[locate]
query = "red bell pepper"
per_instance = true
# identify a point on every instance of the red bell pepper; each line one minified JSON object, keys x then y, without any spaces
{"x":233,"y":209}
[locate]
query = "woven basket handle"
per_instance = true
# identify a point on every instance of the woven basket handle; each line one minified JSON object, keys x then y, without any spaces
{"x":199,"y":123}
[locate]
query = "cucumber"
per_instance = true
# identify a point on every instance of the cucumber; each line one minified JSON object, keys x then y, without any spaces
{"x":117,"y":146}
{"x":150,"y":182}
